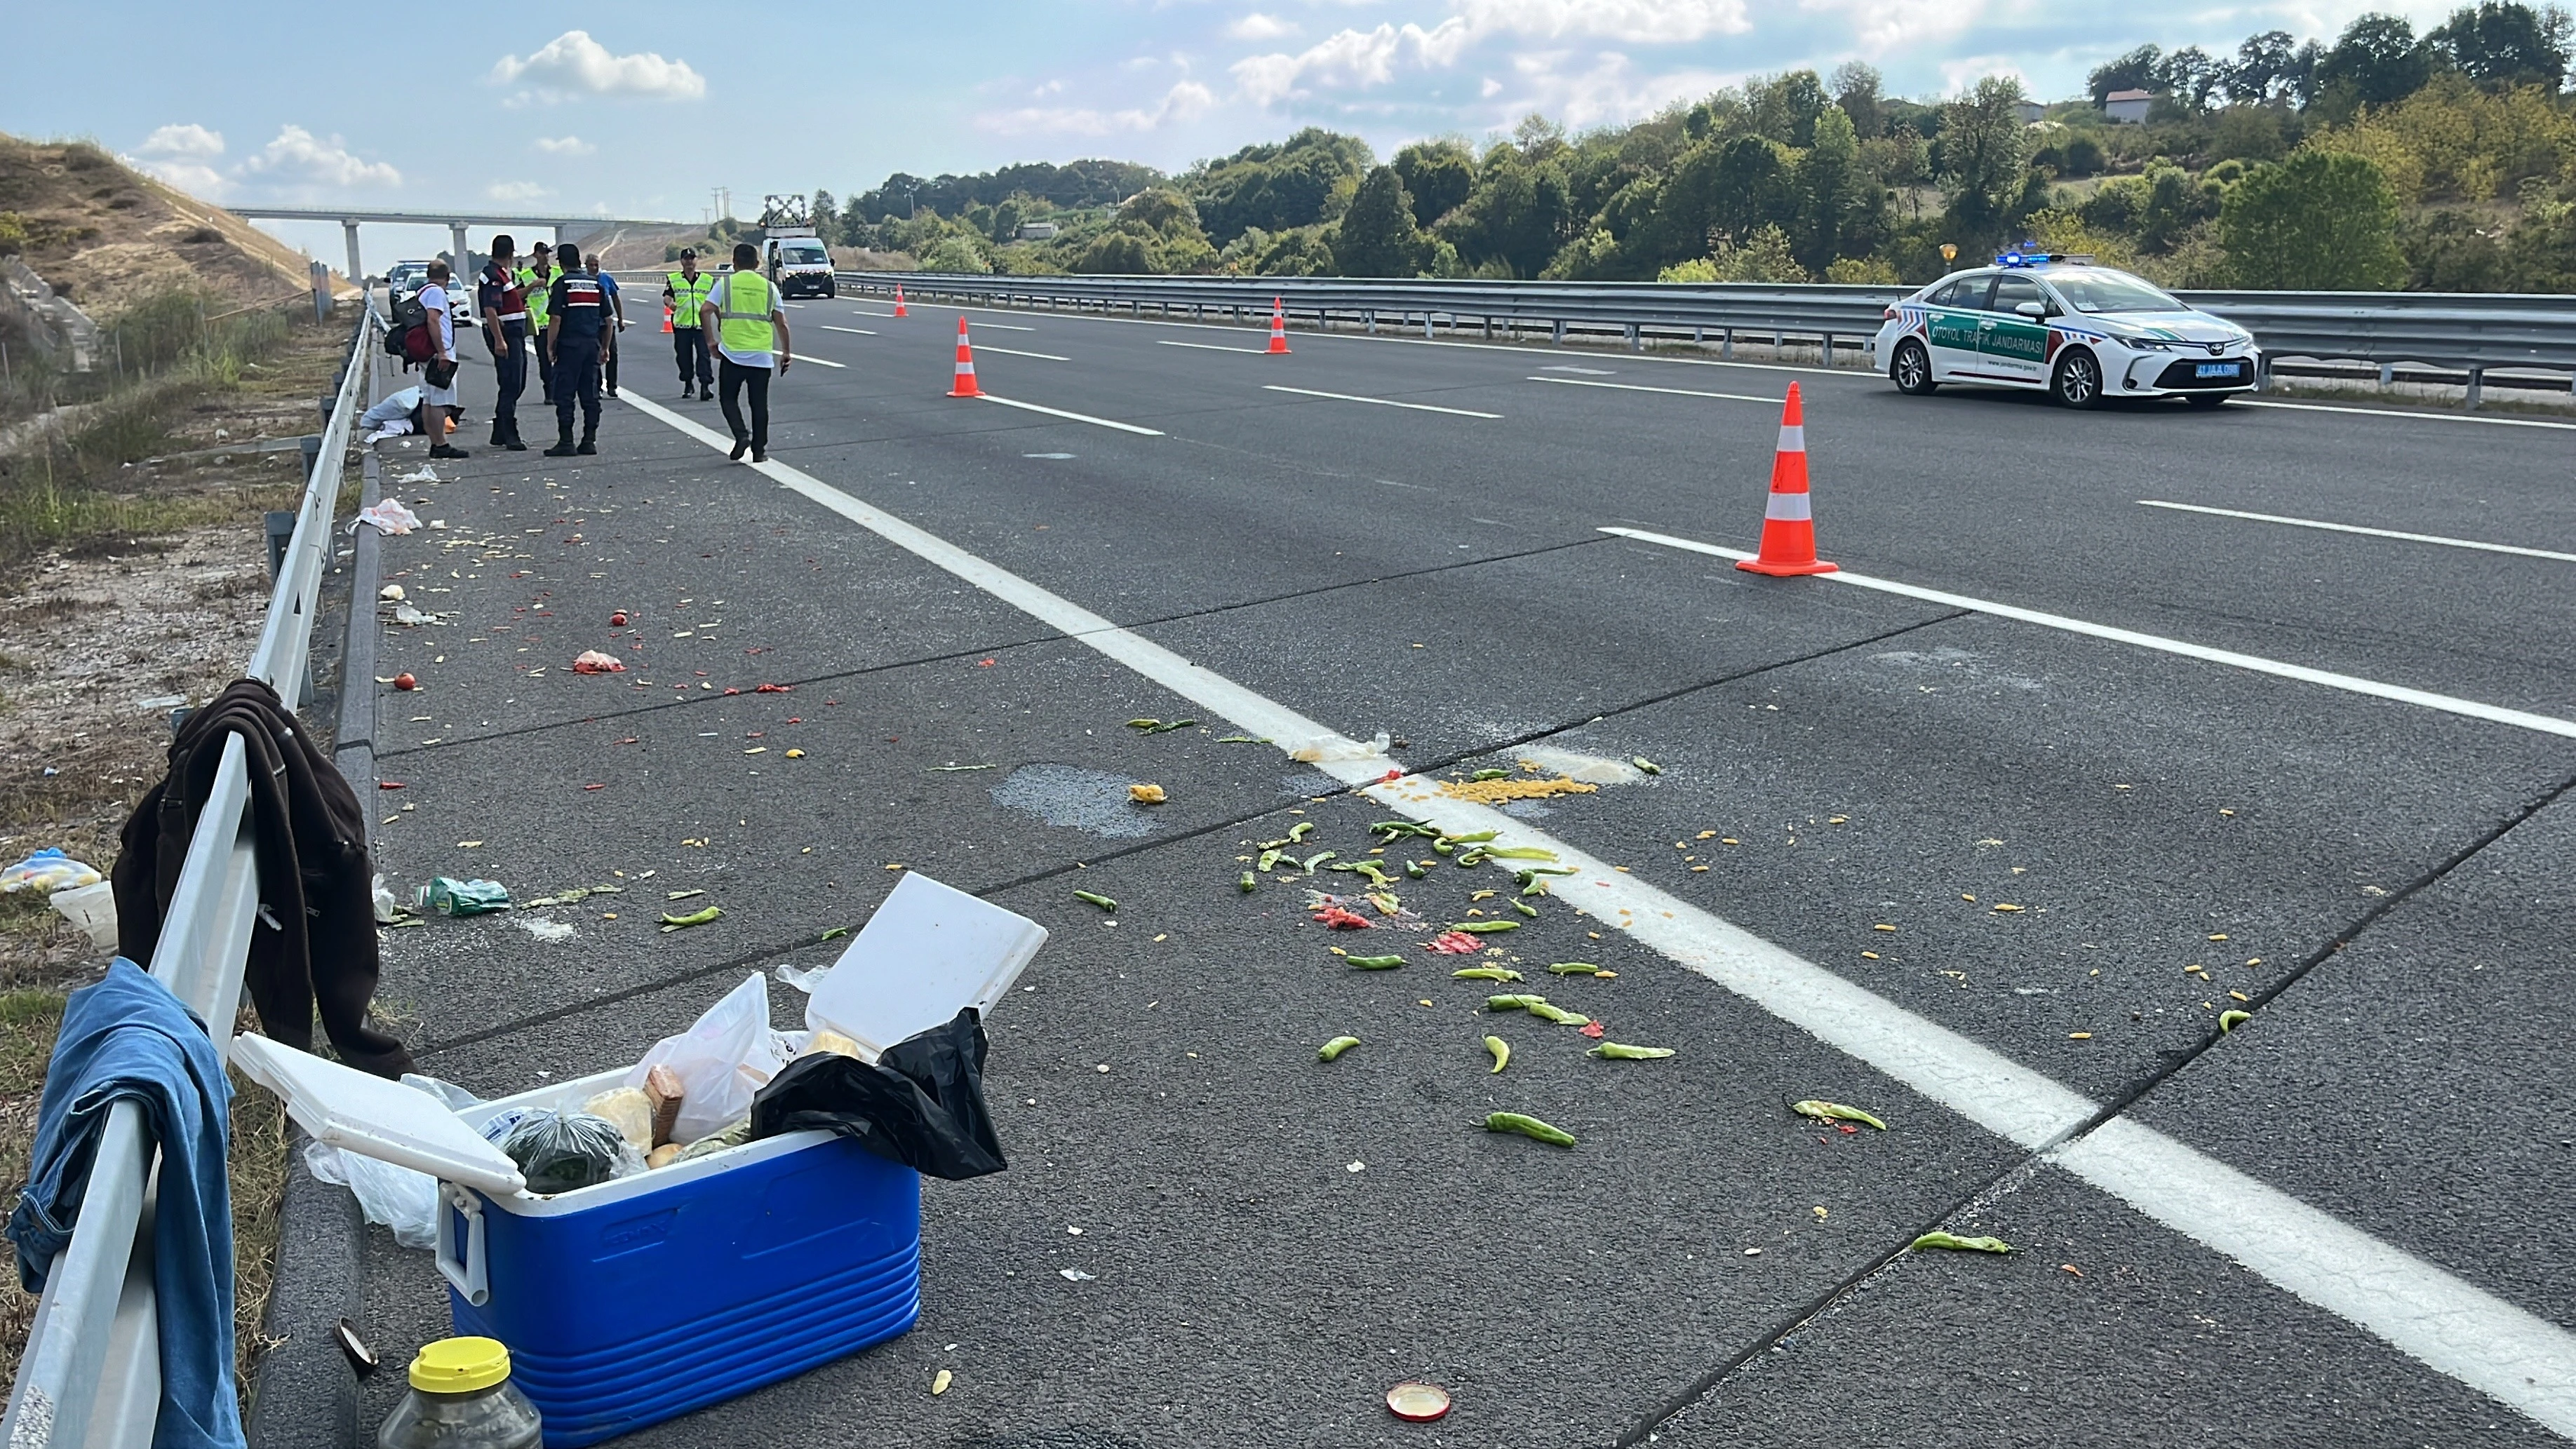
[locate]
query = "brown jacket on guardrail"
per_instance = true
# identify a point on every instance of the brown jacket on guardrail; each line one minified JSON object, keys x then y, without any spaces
{"x":316,"y":938}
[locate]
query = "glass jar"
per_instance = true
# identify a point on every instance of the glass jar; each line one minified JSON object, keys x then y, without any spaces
{"x":462,"y":1398}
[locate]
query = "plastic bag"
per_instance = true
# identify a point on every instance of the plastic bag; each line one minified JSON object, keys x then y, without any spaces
{"x":560,"y":1151}
{"x":920,"y":1104}
{"x":47,"y":870}
{"x":725,"y":1058}
{"x":389,"y":516}
{"x":401,"y":1199}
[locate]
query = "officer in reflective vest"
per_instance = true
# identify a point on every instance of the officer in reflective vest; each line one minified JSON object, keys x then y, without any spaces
{"x":748,"y":333}
{"x":539,"y":278}
{"x":685,"y":293}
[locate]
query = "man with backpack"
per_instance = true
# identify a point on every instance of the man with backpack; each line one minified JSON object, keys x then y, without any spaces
{"x":748,"y":334}
{"x":438,"y":373}
{"x":503,"y":300}
{"x":576,"y":330}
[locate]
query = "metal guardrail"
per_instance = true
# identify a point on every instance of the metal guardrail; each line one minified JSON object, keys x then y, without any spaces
{"x":2469,"y":331}
{"x":92,"y":1371}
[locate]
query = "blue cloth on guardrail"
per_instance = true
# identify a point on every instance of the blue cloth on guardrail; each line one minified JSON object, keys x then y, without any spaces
{"x":128,"y":1038}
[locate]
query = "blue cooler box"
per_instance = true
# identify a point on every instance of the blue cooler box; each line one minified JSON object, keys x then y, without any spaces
{"x":640,"y":1299}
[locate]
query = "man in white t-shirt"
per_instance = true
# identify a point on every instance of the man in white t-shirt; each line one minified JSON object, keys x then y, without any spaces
{"x":438,"y":375}
{"x":747,"y":334}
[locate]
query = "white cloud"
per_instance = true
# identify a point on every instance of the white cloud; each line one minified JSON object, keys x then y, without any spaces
{"x":516,"y":191}
{"x":1353,"y":59}
{"x":193,"y":177}
{"x":1958,"y":75}
{"x":564,"y":146}
{"x":1181,"y":104}
{"x":188,"y":142}
{"x":1257,"y":26}
{"x":1886,"y":27}
{"x":299,"y":156}
{"x":1608,"y":90}
{"x":1350,"y":59}
{"x":1634,"y":22}
{"x":573,"y":63}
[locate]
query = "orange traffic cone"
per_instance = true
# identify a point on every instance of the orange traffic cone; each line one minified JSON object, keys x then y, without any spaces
{"x":1788,"y":525}
{"x":1278,"y":329}
{"x":898,"y":301}
{"x":666,"y":316}
{"x":966,"y":367}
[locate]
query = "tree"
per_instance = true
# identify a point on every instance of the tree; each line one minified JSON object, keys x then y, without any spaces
{"x":1517,"y":216}
{"x":1439,"y":175}
{"x":1378,"y":237}
{"x":2375,"y":62}
{"x":1985,"y":153}
{"x":1830,"y":190}
{"x":2320,"y":221}
{"x":2266,"y":69}
{"x":2499,"y":43}
{"x":2135,"y":71}
{"x":955,"y":254}
{"x":2190,"y":77}
{"x":1855,"y":85}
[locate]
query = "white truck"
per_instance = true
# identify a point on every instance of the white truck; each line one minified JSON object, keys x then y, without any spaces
{"x":799,"y":265}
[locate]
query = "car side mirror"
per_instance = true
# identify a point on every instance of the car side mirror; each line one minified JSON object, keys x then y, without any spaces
{"x":2032,"y":309}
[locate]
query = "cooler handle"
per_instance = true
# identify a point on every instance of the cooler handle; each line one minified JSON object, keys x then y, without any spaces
{"x":472,"y":1273}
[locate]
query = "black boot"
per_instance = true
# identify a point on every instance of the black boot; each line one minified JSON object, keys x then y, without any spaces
{"x":442,"y":450}
{"x":563,"y":447}
{"x":500,"y":435}
{"x":589,"y":443}
{"x":516,"y":444}
{"x":740,"y":447}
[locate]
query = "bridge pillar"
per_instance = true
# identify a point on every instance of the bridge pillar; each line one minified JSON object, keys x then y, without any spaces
{"x":357,"y":273}
{"x":459,"y":259}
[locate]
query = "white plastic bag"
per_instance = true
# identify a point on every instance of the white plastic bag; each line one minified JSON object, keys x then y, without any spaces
{"x":723,"y":1060}
{"x":401,"y":1199}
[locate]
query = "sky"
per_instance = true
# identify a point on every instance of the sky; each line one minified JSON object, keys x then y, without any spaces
{"x":641,"y":109}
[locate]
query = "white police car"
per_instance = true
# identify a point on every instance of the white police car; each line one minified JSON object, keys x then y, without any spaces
{"x":2063,"y":325}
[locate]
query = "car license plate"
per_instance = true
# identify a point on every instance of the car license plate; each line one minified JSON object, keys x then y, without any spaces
{"x":2215,"y":369}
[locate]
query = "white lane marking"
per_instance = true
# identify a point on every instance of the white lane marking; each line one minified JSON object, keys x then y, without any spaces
{"x":2249,"y":402}
{"x":880,"y":316}
{"x":2356,"y":528}
{"x":2524,"y":1361}
{"x":1378,"y":401}
{"x":1015,"y":352}
{"x":2351,"y":683}
{"x":799,"y":306}
{"x":817,"y":361}
{"x":862,"y":331}
{"x":1076,"y":417}
{"x":1640,"y":387}
{"x":1208,"y":346}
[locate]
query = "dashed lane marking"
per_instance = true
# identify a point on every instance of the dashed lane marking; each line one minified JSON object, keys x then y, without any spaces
{"x":1015,"y":352}
{"x":1076,"y":417}
{"x":2356,"y":528}
{"x":1641,"y":387}
{"x":1379,"y":401}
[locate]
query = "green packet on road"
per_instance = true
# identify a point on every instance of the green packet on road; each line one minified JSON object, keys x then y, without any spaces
{"x":451,"y":897}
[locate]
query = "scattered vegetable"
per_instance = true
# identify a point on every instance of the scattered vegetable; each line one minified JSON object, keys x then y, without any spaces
{"x":1158,"y":727}
{"x":1245,"y":884}
{"x":2230,"y":1020}
{"x":1529,"y":1127}
{"x":1335,"y":1047}
{"x":1519,"y":852}
{"x":1621,"y":1052}
{"x":1393,"y":828}
{"x":1268,"y":859}
{"x":1375,"y":963}
{"x":1146,"y":794}
{"x":1502,"y":1051}
{"x":1539,"y":1007}
{"x":1574,"y":968}
{"x":1834,"y":1112}
{"x":694,"y":918}
{"x":1647,"y":765}
{"x":1484,"y":928}
{"x":1526,"y":909}
{"x":1485,"y":973}
{"x":1957,"y":1243}
{"x":1511,"y":1003}
{"x":1489,"y":774}
{"x":1299,"y":831}
{"x":1104,"y":902}
{"x":1310,"y":862}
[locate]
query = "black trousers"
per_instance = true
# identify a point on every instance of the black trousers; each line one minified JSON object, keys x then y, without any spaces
{"x":608,"y":365}
{"x":509,"y":379}
{"x":545,"y":375}
{"x":691,"y":345}
{"x":734,"y":377}
{"x":576,"y":369}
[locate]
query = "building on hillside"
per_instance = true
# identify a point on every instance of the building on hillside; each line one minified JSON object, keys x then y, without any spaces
{"x":1037,"y":231}
{"x":2127,"y":108}
{"x":2031,"y":112}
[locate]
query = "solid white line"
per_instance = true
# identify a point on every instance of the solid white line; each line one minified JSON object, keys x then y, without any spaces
{"x":1076,"y":417}
{"x":2355,"y":528}
{"x":2248,"y":402}
{"x":797,"y":305}
{"x":1379,"y":401}
{"x":1209,"y":346}
{"x":1640,"y":387}
{"x":2351,"y":683}
{"x":817,"y":361}
{"x":880,"y":316}
{"x":1015,"y":352}
{"x":862,"y":331}
{"x":2483,"y":1341}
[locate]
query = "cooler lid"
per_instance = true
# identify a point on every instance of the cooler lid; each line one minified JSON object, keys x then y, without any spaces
{"x":376,"y":1118}
{"x":927,"y":951}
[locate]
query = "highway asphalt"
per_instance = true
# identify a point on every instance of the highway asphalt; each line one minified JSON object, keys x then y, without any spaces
{"x":2086,"y":850}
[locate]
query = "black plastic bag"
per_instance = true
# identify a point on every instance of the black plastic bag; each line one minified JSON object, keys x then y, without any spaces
{"x":920,"y":1104}
{"x":560,"y":1151}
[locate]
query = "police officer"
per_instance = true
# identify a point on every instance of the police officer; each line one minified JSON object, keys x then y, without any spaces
{"x":616,"y":320}
{"x":685,"y":293}
{"x":503,"y":301}
{"x":576,"y":330}
{"x":742,"y":316}
{"x":538,"y":277}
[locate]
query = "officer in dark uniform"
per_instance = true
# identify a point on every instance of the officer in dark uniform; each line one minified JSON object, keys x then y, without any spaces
{"x":503,"y":301}
{"x":576,"y":328}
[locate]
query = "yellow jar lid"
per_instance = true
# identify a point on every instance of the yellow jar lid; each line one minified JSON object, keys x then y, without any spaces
{"x":460,"y":1365}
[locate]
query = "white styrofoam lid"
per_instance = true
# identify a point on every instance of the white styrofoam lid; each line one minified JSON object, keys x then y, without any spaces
{"x":929,"y":950}
{"x":376,"y":1118}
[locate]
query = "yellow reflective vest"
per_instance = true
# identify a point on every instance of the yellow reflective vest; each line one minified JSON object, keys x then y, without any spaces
{"x":689,"y":299}
{"x":540,"y":294}
{"x":743,"y":324}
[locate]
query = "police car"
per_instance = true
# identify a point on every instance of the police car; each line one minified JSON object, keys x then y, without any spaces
{"x":2063,"y":325}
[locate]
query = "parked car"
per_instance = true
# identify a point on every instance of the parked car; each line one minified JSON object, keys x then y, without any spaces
{"x":2063,"y":325}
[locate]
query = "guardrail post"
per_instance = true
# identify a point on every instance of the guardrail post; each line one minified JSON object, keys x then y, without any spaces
{"x":1369,"y":315}
{"x":2477,"y":385}
{"x":2387,"y":374}
{"x":1559,"y":338}
{"x":1829,"y":350}
{"x":1635,"y":343}
{"x":1726,"y":348}
{"x":1426,"y":324}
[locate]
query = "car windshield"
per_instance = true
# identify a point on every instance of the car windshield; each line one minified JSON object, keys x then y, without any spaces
{"x":802,"y":256}
{"x":2093,"y":291}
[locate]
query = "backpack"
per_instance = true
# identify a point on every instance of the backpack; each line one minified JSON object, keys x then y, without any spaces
{"x":407,"y":335}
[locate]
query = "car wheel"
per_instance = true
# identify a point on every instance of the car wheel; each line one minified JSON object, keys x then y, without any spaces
{"x":2208,"y":401}
{"x":830,"y":293}
{"x":2077,"y":382}
{"x":1912,"y":369}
